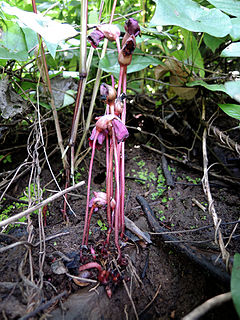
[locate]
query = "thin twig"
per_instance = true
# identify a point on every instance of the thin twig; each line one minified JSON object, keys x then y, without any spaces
{"x":151,"y":302}
{"x":127,"y":290}
{"x":44,"y":306}
{"x":208,"y":305}
{"x":40,"y":205}
{"x":207,"y":191}
{"x":225,"y":139}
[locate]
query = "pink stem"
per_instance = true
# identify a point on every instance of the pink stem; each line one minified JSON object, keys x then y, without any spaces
{"x":90,"y":265}
{"x":88,"y":224}
{"x":120,"y":80}
{"x":122,"y":163}
{"x":109,"y":191}
{"x":113,"y":81}
{"x":116,"y":218}
{"x":88,"y":188}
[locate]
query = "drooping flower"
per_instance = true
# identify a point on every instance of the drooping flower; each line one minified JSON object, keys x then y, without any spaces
{"x":100,"y":139}
{"x":102,"y":129}
{"x":125,"y":55}
{"x":132,"y":27}
{"x":110,"y":31}
{"x":100,"y":201}
{"x":120,"y":130}
{"x":95,"y":37}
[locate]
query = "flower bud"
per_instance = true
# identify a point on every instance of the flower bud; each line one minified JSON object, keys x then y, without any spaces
{"x":107,"y":92}
{"x":132,"y":27}
{"x":118,"y":106}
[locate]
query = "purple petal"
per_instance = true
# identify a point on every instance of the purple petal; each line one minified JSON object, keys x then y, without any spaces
{"x":120,"y":130}
{"x":95,"y":37}
{"x":100,"y":139}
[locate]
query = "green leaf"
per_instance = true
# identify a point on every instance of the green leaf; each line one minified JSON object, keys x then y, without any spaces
{"x":12,"y":43}
{"x":235,"y":32}
{"x":211,"y":87}
{"x":31,"y":37}
{"x":68,"y":98}
{"x":235,"y":282}
{"x":191,"y":16}
{"x":192,"y":51}
{"x":139,"y":62}
{"x":233,"y":110}
{"x":231,"y":7}
{"x":52,"y":31}
{"x":212,"y":42}
{"x":233,"y":89}
{"x":233,"y":50}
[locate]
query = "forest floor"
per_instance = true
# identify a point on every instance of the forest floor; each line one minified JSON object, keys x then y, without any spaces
{"x":165,"y":278}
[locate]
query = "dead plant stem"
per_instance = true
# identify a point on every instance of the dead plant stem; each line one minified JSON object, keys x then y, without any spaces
{"x":40,"y":205}
{"x":207,"y":191}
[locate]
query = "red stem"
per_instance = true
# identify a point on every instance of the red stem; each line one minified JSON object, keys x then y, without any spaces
{"x":88,"y":188}
{"x":90,"y":265}
{"x":109,"y":190}
{"x":116,"y":218}
{"x":88,"y":224}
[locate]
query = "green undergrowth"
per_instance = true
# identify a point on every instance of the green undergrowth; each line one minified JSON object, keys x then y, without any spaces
{"x":16,"y":206}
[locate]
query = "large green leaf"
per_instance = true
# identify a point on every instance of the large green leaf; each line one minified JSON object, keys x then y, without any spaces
{"x":12,"y":42}
{"x":233,"y":110}
{"x":235,"y":282}
{"x":191,"y":16}
{"x":233,"y":50}
{"x":139,"y":62}
{"x":233,"y":89}
{"x":229,"y":6}
{"x":51,"y":31}
{"x":235,"y":32}
{"x":211,"y":87}
{"x":212,"y":42}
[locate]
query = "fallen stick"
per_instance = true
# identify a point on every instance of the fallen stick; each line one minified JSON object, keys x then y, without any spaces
{"x":208,"y":305}
{"x":40,"y":205}
{"x":194,"y":255}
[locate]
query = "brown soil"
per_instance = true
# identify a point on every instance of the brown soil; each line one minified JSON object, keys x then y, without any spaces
{"x":162,"y":282}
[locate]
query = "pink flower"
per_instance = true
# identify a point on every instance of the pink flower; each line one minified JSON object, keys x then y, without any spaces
{"x":102,"y":128}
{"x":110,"y":31}
{"x":99,"y":200}
{"x":95,"y":37}
{"x":132,"y":27}
{"x":100,"y":139}
{"x":120,"y":130}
